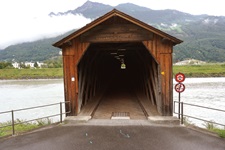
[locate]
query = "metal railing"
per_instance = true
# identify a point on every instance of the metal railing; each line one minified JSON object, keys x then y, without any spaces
{"x":61,"y":113}
{"x":181,"y":114}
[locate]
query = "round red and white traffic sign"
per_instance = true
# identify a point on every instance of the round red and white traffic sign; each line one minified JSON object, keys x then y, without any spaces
{"x":179,"y":77}
{"x":179,"y":87}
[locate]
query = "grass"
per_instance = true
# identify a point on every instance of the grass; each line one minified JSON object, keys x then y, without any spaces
{"x":21,"y":127}
{"x":220,"y":132}
{"x":212,"y":127}
{"x":207,"y":70}
{"x":31,"y":73}
{"x":208,"y":125}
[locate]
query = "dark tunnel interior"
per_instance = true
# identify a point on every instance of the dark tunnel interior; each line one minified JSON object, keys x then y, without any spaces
{"x":116,"y":68}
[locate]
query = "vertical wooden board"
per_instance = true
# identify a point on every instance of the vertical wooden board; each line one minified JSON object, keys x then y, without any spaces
{"x":69,"y":73}
{"x":159,"y":47}
{"x":69,"y":85}
{"x":159,"y":81}
{"x":65,"y":83}
{"x":72,"y":83}
{"x":167,"y":75}
{"x":166,"y":69}
{"x":168,"y":49}
{"x":76,"y":57}
{"x":170,"y":79}
{"x":67,"y":76}
{"x":74,"y":49}
{"x":163,"y":80}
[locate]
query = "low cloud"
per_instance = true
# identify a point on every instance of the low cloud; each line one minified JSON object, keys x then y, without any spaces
{"x":18,"y":30}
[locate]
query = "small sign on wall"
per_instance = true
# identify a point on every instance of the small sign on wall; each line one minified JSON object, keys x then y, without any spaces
{"x":73,"y":79}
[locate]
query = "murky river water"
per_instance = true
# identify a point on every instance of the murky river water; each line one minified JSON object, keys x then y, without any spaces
{"x":16,"y":94}
{"x":209,"y":92}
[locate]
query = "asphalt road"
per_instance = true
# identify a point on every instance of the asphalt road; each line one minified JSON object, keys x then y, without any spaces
{"x":72,"y":137}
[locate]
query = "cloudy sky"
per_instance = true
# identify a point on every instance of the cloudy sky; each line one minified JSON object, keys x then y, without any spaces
{"x":27,"y":20}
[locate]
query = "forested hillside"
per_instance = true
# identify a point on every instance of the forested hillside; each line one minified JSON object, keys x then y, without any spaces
{"x":32,"y":51}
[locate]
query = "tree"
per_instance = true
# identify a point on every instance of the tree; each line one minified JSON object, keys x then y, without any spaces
{"x":36,"y":65}
{"x":4,"y":65}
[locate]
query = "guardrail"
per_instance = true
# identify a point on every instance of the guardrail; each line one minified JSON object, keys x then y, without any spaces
{"x":181,"y":114}
{"x":61,"y":113}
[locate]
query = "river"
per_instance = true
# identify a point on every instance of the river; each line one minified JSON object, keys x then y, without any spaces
{"x":17,"y":94}
{"x":209,"y":92}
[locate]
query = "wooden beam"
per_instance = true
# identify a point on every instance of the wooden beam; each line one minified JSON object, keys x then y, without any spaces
{"x":116,"y":33}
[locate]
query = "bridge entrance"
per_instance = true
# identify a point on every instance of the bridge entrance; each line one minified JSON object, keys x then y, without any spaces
{"x":114,"y":75}
{"x":118,"y":64}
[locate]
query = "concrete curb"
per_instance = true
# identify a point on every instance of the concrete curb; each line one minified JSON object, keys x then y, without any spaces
{"x":168,"y":120}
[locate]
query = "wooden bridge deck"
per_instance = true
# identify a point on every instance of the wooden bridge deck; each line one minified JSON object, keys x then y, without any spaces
{"x":120,"y":101}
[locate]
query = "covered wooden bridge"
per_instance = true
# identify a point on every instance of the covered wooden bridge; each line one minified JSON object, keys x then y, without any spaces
{"x":118,"y":64}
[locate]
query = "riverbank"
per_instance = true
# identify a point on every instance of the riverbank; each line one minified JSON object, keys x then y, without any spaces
{"x":44,"y":73}
{"x":206,"y":70}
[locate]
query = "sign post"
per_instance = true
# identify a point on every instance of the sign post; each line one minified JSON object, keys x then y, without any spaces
{"x":179,"y":87}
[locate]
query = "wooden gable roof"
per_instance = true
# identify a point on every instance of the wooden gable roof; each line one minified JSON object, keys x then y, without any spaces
{"x":120,"y":14}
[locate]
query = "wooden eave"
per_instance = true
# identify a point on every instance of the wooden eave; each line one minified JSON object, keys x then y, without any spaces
{"x":110,"y":14}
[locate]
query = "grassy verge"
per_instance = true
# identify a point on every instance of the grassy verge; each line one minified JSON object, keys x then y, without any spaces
{"x":220,"y":132}
{"x":212,"y":127}
{"x":22,"y":127}
{"x":44,"y":73}
{"x":207,"y":70}
{"x":208,"y":126}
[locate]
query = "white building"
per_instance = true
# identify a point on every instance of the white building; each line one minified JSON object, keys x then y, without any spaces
{"x":16,"y":65}
{"x":40,"y":64}
{"x":29,"y":64}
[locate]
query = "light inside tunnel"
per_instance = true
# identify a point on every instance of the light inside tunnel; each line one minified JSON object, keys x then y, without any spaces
{"x":123,"y":66}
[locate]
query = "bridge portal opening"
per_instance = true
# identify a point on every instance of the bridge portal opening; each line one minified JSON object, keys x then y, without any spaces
{"x":118,"y":75}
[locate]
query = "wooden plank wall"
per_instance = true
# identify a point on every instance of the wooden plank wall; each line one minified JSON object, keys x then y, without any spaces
{"x":161,"y":50}
{"x":72,"y":53}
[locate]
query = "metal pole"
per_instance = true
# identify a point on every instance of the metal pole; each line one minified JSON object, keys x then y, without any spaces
{"x":182,"y":113}
{"x":60,"y":112}
{"x":13,"y":124}
{"x":174,"y":106}
{"x":179,"y":105}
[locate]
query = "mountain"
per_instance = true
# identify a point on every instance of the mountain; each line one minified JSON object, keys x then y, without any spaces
{"x":89,"y":9}
{"x":203,"y":35}
{"x":32,"y":51}
{"x":204,"y":40}
{"x":94,"y":10}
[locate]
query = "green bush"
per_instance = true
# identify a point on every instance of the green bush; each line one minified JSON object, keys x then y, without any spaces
{"x":4,"y":65}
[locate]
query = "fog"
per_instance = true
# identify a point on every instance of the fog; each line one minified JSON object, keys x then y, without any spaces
{"x":18,"y":29}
